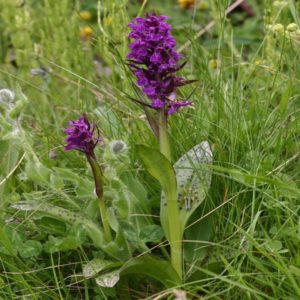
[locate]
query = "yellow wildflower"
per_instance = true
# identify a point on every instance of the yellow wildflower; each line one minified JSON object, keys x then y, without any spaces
{"x":260,"y":62}
{"x":203,"y":5}
{"x":86,"y":32}
{"x":186,"y":3}
{"x":214,"y":64}
{"x":107,"y":21}
{"x":85,"y":15}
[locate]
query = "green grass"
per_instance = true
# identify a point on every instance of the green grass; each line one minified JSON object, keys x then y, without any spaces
{"x":247,"y":107}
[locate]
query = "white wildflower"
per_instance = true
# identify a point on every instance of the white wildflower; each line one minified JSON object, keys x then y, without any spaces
{"x":292,"y":27}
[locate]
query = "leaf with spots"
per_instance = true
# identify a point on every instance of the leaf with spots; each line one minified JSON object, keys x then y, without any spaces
{"x":65,"y":215}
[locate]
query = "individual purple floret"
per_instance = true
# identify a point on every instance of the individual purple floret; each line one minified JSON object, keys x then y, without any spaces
{"x":80,"y":136}
{"x":154,"y":61}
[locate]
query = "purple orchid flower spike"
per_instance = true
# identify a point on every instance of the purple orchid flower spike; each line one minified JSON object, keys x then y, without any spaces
{"x":154,"y":61}
{"x":80,"y":136}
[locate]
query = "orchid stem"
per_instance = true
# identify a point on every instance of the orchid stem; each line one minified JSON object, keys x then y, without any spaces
{"x":163,"y":134}
{"x":97,"y":173}
{"x":175,"y":238}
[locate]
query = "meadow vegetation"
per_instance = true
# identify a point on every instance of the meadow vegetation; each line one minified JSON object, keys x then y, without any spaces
{"x":62,"y":59}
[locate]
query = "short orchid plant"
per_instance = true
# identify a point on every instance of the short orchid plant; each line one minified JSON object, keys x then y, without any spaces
{"x":80,"y":136}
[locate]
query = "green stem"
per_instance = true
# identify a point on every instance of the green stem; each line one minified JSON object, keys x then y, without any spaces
{"x":103,"y":214}
{"x":97,"y":173}
{"x":163,"y":134}
{"x":175,"y":238}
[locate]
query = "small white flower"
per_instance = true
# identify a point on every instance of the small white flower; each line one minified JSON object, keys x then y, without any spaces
{"x":7,"y":95}
{"x":278,"y":28}
{"x":280,"y":4}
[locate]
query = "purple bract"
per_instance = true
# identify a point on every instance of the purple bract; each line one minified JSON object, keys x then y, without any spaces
{"x":154,"y":61}
{"x":80,"y":136}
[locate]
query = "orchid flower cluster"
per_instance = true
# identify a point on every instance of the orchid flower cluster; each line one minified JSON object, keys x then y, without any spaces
{"x":154,"y":61}
{"x":80,"y":136}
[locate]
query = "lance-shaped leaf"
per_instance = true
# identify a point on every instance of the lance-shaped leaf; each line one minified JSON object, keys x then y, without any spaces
{"x":65,"y":215}
{"x":107,"y":273}
{"x":161,"y":169}
{"x":158,"y":269}
{"x":193,"y":174}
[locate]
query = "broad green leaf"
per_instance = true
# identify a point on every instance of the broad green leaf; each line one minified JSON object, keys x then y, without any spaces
{"x":37,"y":172}
{"x":120,"y":249}
{"x":138,"y":190}
{"x":161,"y":169}
{"x":112,"y":219}
{"x":129,"y":232}
{"x":136,"y":197}
{"x":158,"y":269}
{"x":70,"y":241}
{"x":274,"y":246}
{"x":6,"y":245}
{"x":63,"y":214}
{"x":30,"y":248}
{"x":67,"y":175}
{"x":56,"y":182}
{"x":50,"y":225}
{"x":193,"y":175}
{"x":9,"y":153}
{"x":195,"y":248}
{"x":146,"y":265}
{"x":83,"y":186}
{"x":151,"y":233}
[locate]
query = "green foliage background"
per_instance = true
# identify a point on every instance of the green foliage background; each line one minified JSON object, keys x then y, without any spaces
{"x":246,"y":104}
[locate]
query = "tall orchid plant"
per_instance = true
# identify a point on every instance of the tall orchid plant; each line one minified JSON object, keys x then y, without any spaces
{"x":154,"y":62}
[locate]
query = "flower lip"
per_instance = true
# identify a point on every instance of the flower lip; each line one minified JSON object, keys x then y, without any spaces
{"x":80,"y":136}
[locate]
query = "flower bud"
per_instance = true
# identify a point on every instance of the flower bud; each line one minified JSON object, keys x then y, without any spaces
{"x":203,"y":5}
{"x":117,"y":147}
{"x":277,"y":28}
{"x":280,"y":4}
{"x":85,"y":15}
{"x":7,"y":96}
{"x":292,"y":27}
